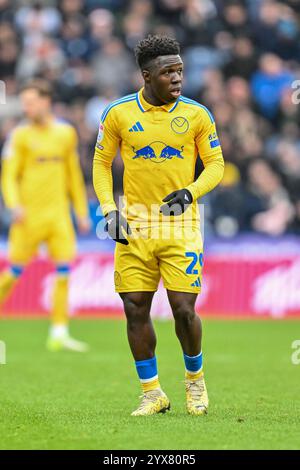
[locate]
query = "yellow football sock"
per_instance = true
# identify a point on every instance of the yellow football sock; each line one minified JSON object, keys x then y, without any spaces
{"x":147,"y":386}
{"x":193,"y":375}
{"x":147,"y":372}
{"x":59,"y":313}
{"x":7,"y":283}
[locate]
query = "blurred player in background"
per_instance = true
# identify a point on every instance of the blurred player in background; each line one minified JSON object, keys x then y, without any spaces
{"x":160,"y":134}
{"x":41,"y":176}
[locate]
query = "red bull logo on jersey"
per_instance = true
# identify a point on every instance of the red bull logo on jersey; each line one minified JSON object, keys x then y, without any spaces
{"x":158,"y":152}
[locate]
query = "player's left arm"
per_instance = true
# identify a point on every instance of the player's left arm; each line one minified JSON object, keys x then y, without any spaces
{"x":76,"y":184}
{"x":209,"y":148}
{"x":210,"y":152}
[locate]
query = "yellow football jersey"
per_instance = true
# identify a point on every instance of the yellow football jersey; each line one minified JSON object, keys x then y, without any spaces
{"x":41,"y":170}
{"x":159,"y":146}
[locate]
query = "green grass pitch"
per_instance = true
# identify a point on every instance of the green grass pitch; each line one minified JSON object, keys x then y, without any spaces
{"x":75,"y":401}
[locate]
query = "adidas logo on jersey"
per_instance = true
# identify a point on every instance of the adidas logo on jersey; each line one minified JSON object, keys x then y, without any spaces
{"x":137,"y":127}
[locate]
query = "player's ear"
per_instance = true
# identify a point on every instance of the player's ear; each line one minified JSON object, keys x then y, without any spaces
{"x":146,"y":75}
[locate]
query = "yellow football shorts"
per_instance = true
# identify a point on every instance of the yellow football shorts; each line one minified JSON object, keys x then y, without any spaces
{"x":177,"y":259}
{"x":57,"y":233}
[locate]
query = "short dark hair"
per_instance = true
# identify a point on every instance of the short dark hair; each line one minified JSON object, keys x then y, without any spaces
{"x":154,"y":46}
{"x":42,"y":86}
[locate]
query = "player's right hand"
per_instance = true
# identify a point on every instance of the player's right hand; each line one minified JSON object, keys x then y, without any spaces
{"x":17,"y":215}
{"x":115,"y":222}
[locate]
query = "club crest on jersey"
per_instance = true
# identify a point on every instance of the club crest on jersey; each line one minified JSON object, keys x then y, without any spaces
{"x":157,"y":152}
{"x":180,"y":125}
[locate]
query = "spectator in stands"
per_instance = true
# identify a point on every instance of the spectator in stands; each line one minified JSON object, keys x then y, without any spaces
{"x":269,"y":83}
{"x":271,"y":210}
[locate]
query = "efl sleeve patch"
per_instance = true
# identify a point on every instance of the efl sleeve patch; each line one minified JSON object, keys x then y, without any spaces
{"x":100,"y":133}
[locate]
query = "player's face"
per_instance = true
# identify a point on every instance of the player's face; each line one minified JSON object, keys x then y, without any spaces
{"x":35,"y":106}
{"x":165,"y":77}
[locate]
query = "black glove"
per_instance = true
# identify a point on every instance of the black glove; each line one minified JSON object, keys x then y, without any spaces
{"x":177,"y":202}
{"x":114,"y":224}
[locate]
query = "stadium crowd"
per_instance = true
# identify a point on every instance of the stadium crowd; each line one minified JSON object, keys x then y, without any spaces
{"x":242,"y":60}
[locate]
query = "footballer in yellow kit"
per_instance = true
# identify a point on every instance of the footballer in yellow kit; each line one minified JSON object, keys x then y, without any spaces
{"x":41,"y":176}
{"x":159,"y":133}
